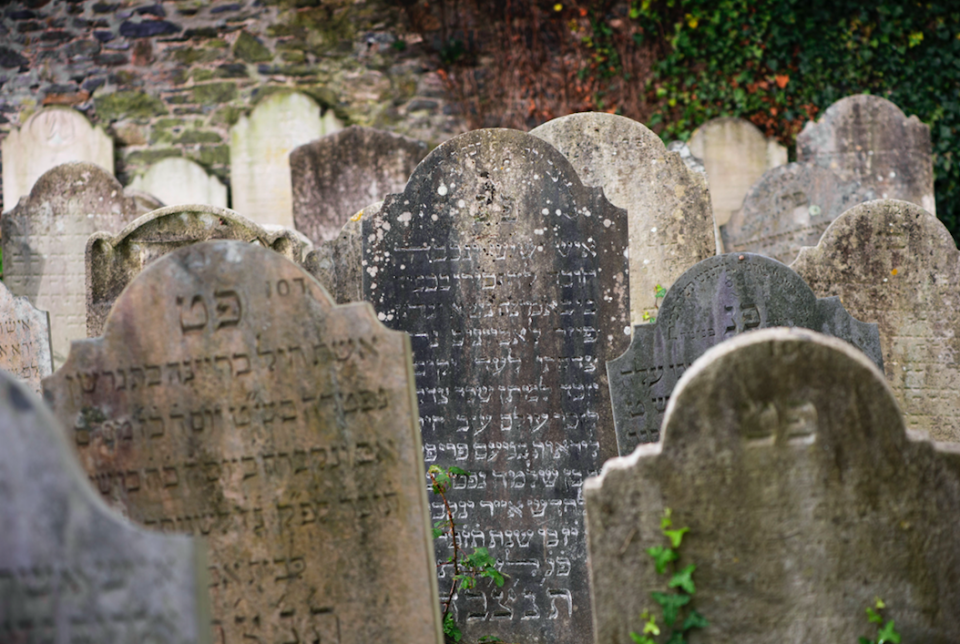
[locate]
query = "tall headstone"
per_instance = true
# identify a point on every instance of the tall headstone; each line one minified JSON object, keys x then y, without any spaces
{"x":735,"y":154}
{"x":511,"y":277}
{"x":788,"y":208}
{"x":178,"y":182}
{"x":260,"y":145}
{"x":229,"y":398}
{"x":24,"y":339}
{"x":337,"y":264}
{"x":667,"y":204}
{"x":715,"y":300}
{"x":72,"y":570}
{"x":893,"y":263}
{"x":44,"y":239}
{"x":785,"y":455}
{"x":52,"y":136}
{"x":870,"y":140}
{"x":337,"y":175}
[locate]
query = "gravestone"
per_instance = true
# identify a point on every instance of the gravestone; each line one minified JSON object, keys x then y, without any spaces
{"x":52,"y":136}
{"x":143,"y":201}
{"x":72,"y":570}
{"x":112,"y":261}
{"x":229,"y":398}
{"x":44,"y":239}
{"x":715,"y":300}
{"x":870,"y":140}
{"x":788,"y":208}
{"x":735,"y":154}
{"x":340,"y":173}
{"x":785,"y":455}
{"x":667,"y":204}
{"x":177,"y":182}
{"x":337,"y":264}
{"x":692,"y":162}
{"x":895,"y":264}
{"x":24,"y":340}
{"x":511,"y":277}
{"x":260,"y":145}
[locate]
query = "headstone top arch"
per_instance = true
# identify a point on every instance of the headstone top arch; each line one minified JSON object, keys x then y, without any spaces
{"x":177,"y":181}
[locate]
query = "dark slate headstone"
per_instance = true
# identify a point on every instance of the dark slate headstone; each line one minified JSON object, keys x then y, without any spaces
{"x":511,"y":277}
{"x":717,"y":299}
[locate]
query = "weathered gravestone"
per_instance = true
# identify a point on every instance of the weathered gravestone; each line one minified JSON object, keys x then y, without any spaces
{"x":177,"y":181}
{"x":72,"y":570}
{"x":24,"y":339}
{"x":895,"y":264}
{"x":112,"y":261}
{"x":511,"y":276}
{"x":692,"y":162}
{"x":44,"y":239}
{"x":229,"y":398}
{"x":52,"y":136}
{"x":337,"y":264}
{"x":717,"y":299}
{"x":785,"y":455}
{"x":788,"y":208}
{"x":667,"y":204}
{"x":870,"y":140}
{"x":340,"y":173}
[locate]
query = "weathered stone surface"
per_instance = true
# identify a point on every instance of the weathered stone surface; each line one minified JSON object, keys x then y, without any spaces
{"x":143,"y":201}
{"x":228,"y":397}
{"x":52,"y":136}
{"x":337,"y":175}
{"x":112,"y":261}
{"x":24,"y":339}
{"x":895,"y":264}
{"x":681,"y":148}
{"x":337,"y":264}
{"x":785,"y":454}
{"x":667,"y":204}
{"x":715,"y":300}
{"x":177,"y":181}
{"x":511,"y":277}
{"x":869,"y":139}
{"x":44,"y":239}
{"x":788,"y":208}
{"x":735,"y":154}
{"x":72,"y":569}
{"x":260,"y":145}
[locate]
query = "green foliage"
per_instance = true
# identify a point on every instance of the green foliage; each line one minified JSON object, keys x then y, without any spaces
{"x":886,"y":633}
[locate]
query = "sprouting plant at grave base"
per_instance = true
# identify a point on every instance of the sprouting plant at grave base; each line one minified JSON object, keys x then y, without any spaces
{"x":658,"y":294}
{"x":886,"y":633}
{"x":672,"y":604}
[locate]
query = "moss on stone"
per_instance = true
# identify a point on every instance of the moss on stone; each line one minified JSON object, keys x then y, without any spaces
{"x":293,"y":56}
{"x":161,"y":136}
{"x":191,"y":55}
{"x":214,"y":93}
{"x":198,"y":136}
{"x":148,"y":157}
{"x":211,"y":155}
{"x":250,"y":49}
{"x":226,"y":115}
{"x":201,"y":74}
{"x":217,"y":43}
{"x":128,"y":104}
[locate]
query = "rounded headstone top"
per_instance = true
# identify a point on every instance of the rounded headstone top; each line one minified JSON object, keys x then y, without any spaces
{"x":67,"y":182}
{"x":861,"y":122}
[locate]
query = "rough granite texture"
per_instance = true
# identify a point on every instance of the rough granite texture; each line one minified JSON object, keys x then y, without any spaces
{"x":24,"y":340}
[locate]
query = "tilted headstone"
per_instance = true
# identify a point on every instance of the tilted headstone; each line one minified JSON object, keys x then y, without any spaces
{"x":715,"y":300}
{"x":260,"y":146}
{"x":869,"y":139}
{"x":229,"y":398}
{"x":788,"y":208}
{"x":340,"y":173}
{"x":511,"y":277}
{"x":71,"y":569}
{"x":112,"y":261}
{"x":337,"y":264}
{"x":785,"y":455}
{"x":667,"y":204}
{"x":24,"y":339}
{"x":52,"y":136}
{"x":893,"y":263}
{"x":44,"y":239}
{"x":177,"y":182}
{"x":735,"y":154}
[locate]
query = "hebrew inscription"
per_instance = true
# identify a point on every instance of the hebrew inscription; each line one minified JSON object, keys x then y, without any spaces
{"x":24,"y":340}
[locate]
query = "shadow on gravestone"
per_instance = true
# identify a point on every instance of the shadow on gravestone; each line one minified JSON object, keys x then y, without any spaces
{"x":511,"y":277}
{"x":228,"y":397}
{"x":112,"y":261}
{"x":337,"y":264}
{"x":71,"y":569}
{"x":24,"y":340}
{"x":715,"y":300}
{"x":785,"y":454}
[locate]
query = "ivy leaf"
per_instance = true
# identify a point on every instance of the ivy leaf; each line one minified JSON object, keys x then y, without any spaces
{"x":684,"y":579}
{"x":864,"y":640}
{"x":888,"y":634}
{"x":677,"y":638}
{"x":661,"y":557}
{"x":450,"y":628}
{"x":665,"y":520}
{"x":437,"y":533}
{"x":695,"y":620}
{"x":873,"y":617}
{"x":641,"y":639}
{"x":676,"y":536}
{"x":671,"y":605}
{"x":456,"y":471}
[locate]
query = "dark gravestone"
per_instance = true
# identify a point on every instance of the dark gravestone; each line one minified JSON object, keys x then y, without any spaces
{"x":511,"y":277}
{"x":717,"y":299}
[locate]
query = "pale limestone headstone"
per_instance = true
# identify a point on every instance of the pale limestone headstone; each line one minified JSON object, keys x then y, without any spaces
{"x":785,"y":455}
{"x":71,"y":569}
{"x":337,"y":264}
{"x":144,"y":201}
{"x":869,"y":139}
{"x":24,"y":339}
{"x":337,"y":175}
{"x":667,"y":204}
{"x":893,"y":263}
{"x":229,"y":398}
{"x":52,"y":136}
{"x":260,"y":146}
{"x":735,"y":154}
{"x":177,"y":182}
{"x":44,"y":239}
{"x":112,"y":261}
